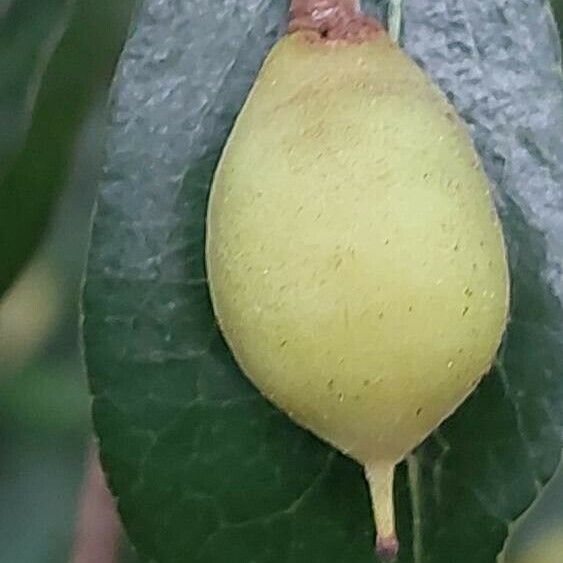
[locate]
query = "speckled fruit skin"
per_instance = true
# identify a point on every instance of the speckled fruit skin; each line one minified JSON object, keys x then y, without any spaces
{"x":356,"y":263}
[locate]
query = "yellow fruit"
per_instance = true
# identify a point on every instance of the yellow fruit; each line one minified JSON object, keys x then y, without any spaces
{"x":356,"y":264}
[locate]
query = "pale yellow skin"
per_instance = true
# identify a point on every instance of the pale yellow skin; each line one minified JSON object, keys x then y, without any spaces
{"x":356,"y":264}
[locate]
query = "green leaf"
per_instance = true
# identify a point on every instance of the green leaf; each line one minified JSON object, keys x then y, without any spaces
{"x":205,"y":469}
{"x":47,"y":88}
{"x":30,"y":30}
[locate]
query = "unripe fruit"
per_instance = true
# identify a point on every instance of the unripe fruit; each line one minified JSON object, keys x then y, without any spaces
{"x":356,"y":263}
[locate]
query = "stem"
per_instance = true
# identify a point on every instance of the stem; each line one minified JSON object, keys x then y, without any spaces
{"x":308,"y":6}
{"x":98,"y":528}
{"x":332,"y":20}
{"x":380,"y":479}
{"x":394,"y":19}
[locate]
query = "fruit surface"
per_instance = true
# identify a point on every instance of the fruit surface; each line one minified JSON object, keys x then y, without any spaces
{"x":356,"y":263}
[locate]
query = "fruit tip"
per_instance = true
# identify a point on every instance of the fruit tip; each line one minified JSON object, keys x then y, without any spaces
{"x":380,"y":479}
{"x":387,"y":548}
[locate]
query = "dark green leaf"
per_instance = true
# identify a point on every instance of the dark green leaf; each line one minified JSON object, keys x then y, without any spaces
{"x":206,"y":470}
{"x":43,"y":102}
{"x":30,"y":30}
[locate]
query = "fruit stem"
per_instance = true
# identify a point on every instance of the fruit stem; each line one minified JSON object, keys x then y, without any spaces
{"x":380,"y":479}
{"x":394,"y":19}
{"x":333,"y":20}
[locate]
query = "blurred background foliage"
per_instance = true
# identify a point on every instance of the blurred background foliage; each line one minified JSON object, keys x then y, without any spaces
{"x":44,"y":403}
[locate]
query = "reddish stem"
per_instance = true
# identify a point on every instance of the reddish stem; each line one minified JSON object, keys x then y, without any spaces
{"x":333,"y":20}
{"x":98,"y":528}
